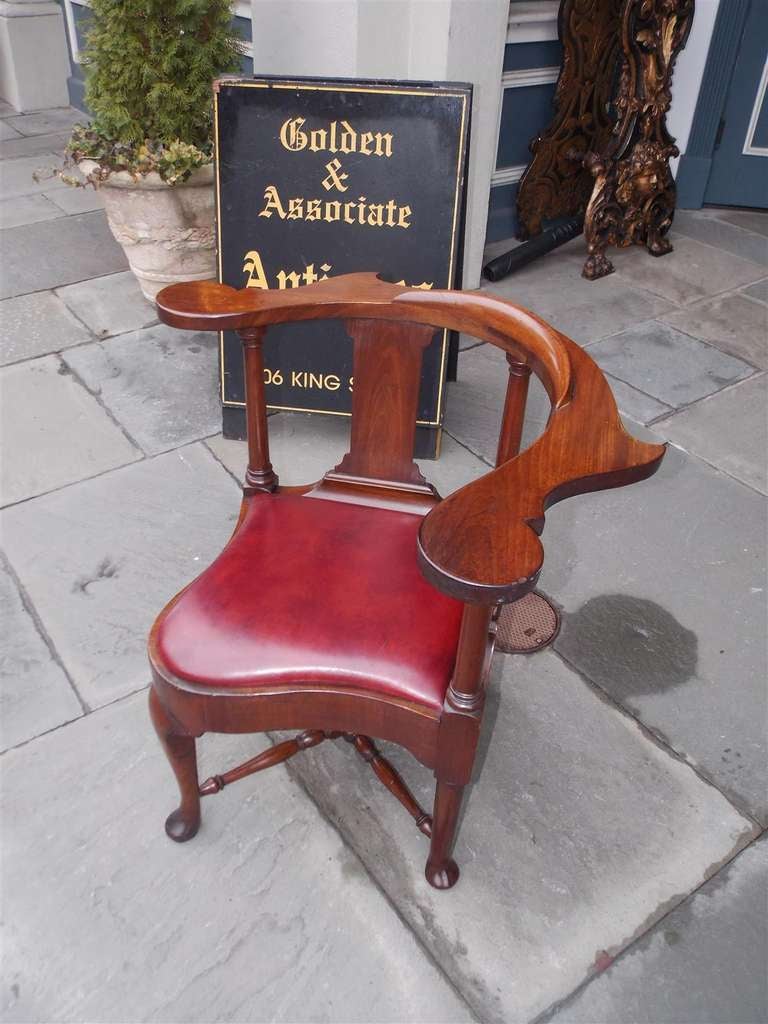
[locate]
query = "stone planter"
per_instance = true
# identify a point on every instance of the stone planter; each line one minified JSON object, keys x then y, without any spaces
{"x":165,"y":230}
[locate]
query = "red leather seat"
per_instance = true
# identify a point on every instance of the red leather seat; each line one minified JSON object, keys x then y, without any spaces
{"x":315,"y":591}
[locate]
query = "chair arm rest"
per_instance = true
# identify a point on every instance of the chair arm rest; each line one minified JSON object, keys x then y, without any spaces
{"x":481,"y":544}
{"x":208,"y":306}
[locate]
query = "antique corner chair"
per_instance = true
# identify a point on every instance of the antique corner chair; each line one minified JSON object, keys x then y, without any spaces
{"x":398,"y":589}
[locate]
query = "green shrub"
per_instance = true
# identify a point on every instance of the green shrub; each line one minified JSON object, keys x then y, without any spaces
{"x":149,"y":66}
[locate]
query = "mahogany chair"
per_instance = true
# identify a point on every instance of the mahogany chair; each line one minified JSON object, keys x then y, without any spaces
{"x":399,"y":589}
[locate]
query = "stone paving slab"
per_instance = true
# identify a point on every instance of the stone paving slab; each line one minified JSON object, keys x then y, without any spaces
{"x":110,"y":305}
{"x":54,"y":432}
{"x":159,"y":383}
{"x":705,"y":962}
{"x":750,"y":220}
{"x":475,"y":402}
{"x":17,"y":178}
{"x":707,"y":227}
{"x":695,"y":271}
{"x":732,"y":323}
{"x":56,"y":119}
{"x":728,"y":430}
{"x":758,"y":291}
{"x":54,"y":253}
{"x":667,"y":364}
{"x":635,"y":404}
{"x":35,"y":694}
{"x":577,"y":834}
{"x":78,"y":200}
{"x":27,"y":210}
{"x":303,"y":448}
{"x":584,"y":310}
{"x":265,"y":916}
{"x":33,"y":145}
{"x":101,"y":559}
{"x":36,"y":324}
{"x":663,"y":590}
{"x":7,"y":132}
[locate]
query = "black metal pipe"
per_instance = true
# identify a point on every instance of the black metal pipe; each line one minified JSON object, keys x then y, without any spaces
{"x":550,"y":238}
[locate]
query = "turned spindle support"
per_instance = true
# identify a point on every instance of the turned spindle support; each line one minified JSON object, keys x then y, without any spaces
{"x":259,"y":476}
{"x":392,"y":779}
{"x":267,"y":759}
{"x":514,"y":410}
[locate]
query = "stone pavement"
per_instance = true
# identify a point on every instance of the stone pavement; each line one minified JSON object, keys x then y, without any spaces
{"x":613,"y":852}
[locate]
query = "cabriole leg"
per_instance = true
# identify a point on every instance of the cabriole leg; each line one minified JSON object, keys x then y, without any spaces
{"x":442,"y":871}
{"x":184,"y":822}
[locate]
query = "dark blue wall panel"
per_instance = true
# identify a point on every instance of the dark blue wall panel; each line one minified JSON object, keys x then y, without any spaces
{"x":524,"y":113}
{"x":521,"y":56}
{"x":244,"y":27}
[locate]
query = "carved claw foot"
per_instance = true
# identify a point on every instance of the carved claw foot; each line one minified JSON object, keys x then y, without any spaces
{"x":180,"y":828}
{"x":597,"y":265}
{"x":442,"y":876}
{"x":659,"y":246}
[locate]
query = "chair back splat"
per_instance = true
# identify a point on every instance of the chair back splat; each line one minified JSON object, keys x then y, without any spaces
{"x":397,"y":587}
{"x":386,"y":363}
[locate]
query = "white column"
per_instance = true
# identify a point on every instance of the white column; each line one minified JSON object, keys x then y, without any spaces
{"x":478,"y":34}
{"x":305,"y":37}
{"x":34,"y":62}
{"x":689,"y":72}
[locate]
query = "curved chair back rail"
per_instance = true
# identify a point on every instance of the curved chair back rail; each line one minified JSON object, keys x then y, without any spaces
{"x":389,"y":656}
{"x":481,"y":544}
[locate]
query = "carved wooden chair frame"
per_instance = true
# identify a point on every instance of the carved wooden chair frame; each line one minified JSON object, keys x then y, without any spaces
{"x":480,"y":545}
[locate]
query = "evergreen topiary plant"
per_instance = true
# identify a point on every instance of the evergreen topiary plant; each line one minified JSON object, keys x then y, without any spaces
{"x":149,"y":66}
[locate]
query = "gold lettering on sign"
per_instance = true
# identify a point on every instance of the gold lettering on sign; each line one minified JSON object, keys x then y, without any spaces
{"x":257,"y":278}
{"x":254,"y":268}
{"x":336,"y":177}
{"x":338,"y":137}
{"x":352,"y":211}
{"x":317,"y":381}
{"x":273,"y":204}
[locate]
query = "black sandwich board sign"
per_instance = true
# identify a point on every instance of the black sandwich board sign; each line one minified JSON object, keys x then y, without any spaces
{"x":316,"y":178}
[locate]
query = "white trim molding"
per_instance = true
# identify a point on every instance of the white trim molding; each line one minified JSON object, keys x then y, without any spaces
{"x":529,"y":76}
{"x":534,"y":21}
{"x":71,"y":31}
{"x":750,"y":149}
{"x":507,"y":175}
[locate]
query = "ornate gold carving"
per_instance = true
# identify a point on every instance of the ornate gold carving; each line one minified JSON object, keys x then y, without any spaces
{"x":633,"y":199}
{"x":610,"y":142}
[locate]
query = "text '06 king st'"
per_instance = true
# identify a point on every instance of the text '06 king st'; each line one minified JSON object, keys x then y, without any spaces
{"x":335,"y":137}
